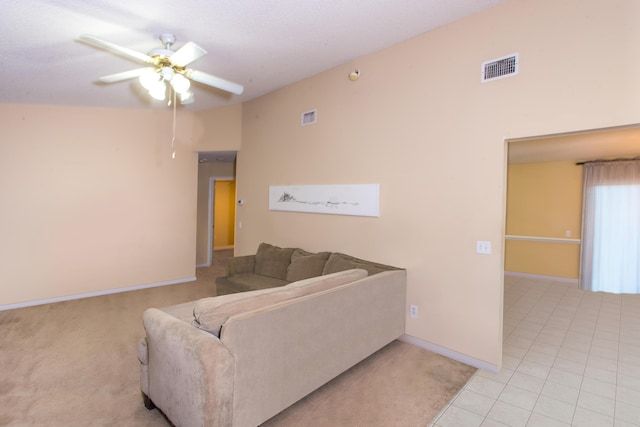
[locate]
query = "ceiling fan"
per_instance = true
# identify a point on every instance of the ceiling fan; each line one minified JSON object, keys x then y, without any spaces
{"x":166,"y":68}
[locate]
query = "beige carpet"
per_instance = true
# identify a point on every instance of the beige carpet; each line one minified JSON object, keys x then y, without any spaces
{"x":74,"y":363}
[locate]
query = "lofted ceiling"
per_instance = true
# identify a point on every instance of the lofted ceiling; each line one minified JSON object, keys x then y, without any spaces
{"x":263,"y":45}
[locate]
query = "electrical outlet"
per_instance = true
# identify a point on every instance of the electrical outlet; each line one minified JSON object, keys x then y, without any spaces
{"x":413,"y":311}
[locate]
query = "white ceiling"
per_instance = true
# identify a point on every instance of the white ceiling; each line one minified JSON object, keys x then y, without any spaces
{"x":263,"y":45}
{"x":601,"y":144}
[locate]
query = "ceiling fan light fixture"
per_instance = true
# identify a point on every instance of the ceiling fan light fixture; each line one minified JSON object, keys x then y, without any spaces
{"x":158,"y":91}
{"x":167,"y":73}
{"x":180,"y":84}
{"x":187,"y":97}
{"x":149,"y":78}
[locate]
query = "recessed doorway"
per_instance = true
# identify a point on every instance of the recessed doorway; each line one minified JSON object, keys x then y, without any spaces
{"x":544,"y":198}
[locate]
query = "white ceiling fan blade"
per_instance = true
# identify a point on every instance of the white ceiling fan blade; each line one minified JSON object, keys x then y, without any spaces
{"x":187,"y":54}
{"x":125,"y":75}
{"x":214,"y":81}
{"x":117,"y":49}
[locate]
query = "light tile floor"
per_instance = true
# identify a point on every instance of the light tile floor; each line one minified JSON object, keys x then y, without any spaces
{"x":570,"y":358}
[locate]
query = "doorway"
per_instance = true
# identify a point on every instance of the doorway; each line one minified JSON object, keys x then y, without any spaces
{"x":221,"y":215}
{"x":544,"y":198}
{"x":215,"y":208}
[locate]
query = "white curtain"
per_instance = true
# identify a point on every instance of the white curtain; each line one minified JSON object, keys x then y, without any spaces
{"x":611,"y":227}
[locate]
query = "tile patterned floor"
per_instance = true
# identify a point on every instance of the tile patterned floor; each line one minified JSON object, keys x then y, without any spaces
{"x":570,"y":358}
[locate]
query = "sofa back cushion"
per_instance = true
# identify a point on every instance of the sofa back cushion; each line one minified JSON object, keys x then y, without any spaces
{"x":211,"y":313}
{"x":341,"y":262}
{"x":305,"y":265}
{"x":272,"y":261}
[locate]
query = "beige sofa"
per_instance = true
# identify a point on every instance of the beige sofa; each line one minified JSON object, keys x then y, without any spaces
{"x":239,"y":359}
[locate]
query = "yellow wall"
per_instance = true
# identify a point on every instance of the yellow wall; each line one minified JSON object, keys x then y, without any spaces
{"x":544,"y":200}
{"x":420,"y":123}
{"x":224,"y":214}
{"x":205,"y":172}
{"x":93,"y":201}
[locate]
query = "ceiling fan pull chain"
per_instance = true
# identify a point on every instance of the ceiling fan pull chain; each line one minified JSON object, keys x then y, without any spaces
{"x":173,"y":138}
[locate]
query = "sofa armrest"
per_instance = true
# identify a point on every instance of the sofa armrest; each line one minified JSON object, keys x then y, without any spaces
{"x":241,"y":264}
{"x":190,"y":372}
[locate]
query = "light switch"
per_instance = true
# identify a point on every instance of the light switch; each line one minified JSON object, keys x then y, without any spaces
{"x":483,"y":247}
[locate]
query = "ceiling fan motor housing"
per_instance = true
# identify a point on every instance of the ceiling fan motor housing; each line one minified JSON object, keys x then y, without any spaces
{"x":160,"y":52}
{"x":167,"y":73}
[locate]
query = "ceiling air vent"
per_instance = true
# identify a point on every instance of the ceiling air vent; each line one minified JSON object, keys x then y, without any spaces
{"x":309,"y":117}
{"x":499,"y":68}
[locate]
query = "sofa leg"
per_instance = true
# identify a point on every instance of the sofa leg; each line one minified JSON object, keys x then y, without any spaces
{"x":148,"y":403}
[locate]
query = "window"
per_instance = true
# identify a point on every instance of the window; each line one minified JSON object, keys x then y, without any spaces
{"x":611,"y":227}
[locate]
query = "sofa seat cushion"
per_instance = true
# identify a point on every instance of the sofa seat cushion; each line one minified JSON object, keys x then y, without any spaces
{"x":305,"y":265}
{"x":249,"y":282}
{"x":341,"y":262}
{"x":211,"y":313}
{"x":272,"y":261}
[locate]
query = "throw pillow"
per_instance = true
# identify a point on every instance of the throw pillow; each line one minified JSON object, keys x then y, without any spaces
{"x":305,"y":265}
{"x":341,"y":262}
{"x":272,"y":261}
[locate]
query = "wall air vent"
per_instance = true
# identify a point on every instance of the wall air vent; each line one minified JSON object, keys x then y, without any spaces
{"x":309,"y":117}
{"x":500,"y":68}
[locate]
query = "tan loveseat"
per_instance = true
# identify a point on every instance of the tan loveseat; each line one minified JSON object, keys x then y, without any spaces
{"x":239,"y":359}
{"x":273,"y":266}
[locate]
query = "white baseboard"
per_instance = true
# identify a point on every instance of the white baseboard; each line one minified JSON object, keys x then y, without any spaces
{"x":480,"y":364}
{"x":93,"y":294}
{"x":541,"y":277}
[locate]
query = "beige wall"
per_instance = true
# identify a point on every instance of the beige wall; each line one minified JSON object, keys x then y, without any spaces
{"x":218,"y":129}
{"x":420,"y":123}
{"x":206,"y":171}
{"x":544,"y":200}
{"x":92,"y":201}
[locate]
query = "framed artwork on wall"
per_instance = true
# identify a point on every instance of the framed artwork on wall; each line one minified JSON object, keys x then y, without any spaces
{"x":342,"y":199}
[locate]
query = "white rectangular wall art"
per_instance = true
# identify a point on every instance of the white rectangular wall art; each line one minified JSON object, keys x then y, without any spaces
{"x":356,"y":199}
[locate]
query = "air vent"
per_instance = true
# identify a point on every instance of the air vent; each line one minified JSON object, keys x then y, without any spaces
{"x":309,"y":117}
{"x":500,"y":68}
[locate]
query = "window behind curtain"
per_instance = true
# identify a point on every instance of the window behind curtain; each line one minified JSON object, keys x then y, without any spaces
{"x":611,"y":227}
